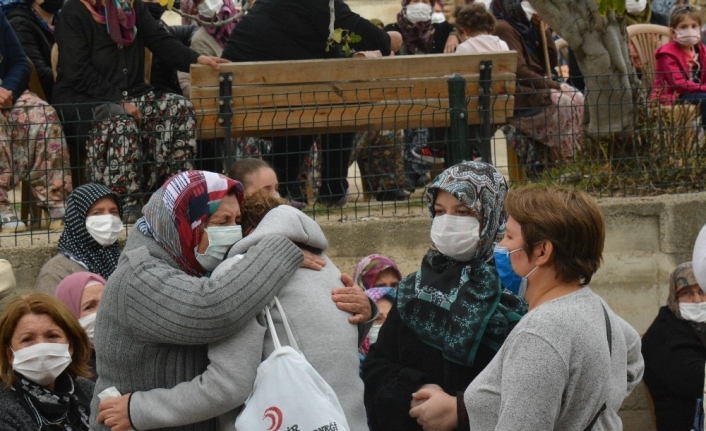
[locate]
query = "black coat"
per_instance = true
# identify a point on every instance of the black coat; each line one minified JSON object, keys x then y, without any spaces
{"x":93,"y":68}
{"x":164,"y":78}
{"x":398,"y":364}
{"x":674,"y":370}
{"x":37,"y":43}
{"x":298,"y":30}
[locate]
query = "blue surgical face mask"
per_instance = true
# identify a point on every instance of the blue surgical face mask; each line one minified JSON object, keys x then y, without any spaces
{"x":509,"y":278}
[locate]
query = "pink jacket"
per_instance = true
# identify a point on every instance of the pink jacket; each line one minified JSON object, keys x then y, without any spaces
{"x":672,"y":73}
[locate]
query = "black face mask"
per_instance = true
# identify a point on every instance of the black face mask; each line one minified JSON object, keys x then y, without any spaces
{"x":52,"y":6}
{"x":155,"y":9}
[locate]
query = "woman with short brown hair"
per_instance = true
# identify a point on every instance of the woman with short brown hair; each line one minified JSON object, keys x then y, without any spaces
{"x":43,"y":366}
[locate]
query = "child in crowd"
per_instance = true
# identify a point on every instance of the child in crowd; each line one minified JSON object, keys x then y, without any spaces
{"x":475,"y":26}
{"x":681,"y":63}
{"x":256,"y":174}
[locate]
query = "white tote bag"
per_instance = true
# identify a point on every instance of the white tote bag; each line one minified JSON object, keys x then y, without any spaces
{"x":289,"y":395}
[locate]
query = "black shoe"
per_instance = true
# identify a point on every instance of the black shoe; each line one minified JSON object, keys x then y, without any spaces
{"x":392,"y":195}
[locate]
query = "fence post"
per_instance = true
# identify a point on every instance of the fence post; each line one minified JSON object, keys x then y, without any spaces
{"x":486,"y":69}
{"x":225,"y":115}
{"x":459,"y":120}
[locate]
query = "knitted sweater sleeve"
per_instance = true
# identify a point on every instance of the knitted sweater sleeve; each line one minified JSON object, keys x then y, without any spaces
{"x":225,"y":385}
{"x":165,"y":305}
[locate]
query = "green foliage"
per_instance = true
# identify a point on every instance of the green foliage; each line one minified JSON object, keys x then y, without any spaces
{"x":342,"y":37}
{"x":617,"y":6}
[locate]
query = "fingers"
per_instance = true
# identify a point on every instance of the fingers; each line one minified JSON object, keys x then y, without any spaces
{"x":312,"y":261}
{"x":422,"y":394}
{"x":346,"y":280}
{"x":220,"y":60}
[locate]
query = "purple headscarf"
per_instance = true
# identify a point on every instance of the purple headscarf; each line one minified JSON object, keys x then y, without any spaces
{"x":377,"y":293}
{"x":369,"y":267}
{"x":70,"y":290}
{"x":222,"y":33}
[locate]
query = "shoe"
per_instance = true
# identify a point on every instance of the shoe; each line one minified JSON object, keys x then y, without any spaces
{"x":428,"y":155}
{"x":9,"y":222}
{"x":391,"y":195}
{"x":131,"y":214}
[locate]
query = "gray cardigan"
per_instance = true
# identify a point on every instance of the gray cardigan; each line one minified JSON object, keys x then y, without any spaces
{"x":322,"y":331}
{"x":155,"y":320}
{"x":14,"y":417}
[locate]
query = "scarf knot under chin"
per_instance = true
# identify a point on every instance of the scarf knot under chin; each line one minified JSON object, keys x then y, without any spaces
{"x":455,"y":306}
{"x":60,"y":409}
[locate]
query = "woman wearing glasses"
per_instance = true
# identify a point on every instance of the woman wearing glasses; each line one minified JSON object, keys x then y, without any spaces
{"x":674,"y":348}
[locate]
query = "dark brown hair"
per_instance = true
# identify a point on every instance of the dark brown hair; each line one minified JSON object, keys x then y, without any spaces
{"x":680,"y":11}
{"x":242,"y":169}
{"x":474,"y":17}
{"x":569,"y":219}
{"x":255,"y":207}
{"x":39,"y":303}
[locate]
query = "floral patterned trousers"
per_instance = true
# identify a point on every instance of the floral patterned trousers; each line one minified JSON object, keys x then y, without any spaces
{"x":134,"y":158}
{"x":33,"y":147}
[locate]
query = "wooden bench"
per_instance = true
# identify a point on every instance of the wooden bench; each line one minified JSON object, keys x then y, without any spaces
{"x":267,"y":99}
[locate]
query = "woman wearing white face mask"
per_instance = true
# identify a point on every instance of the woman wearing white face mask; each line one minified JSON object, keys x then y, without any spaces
{"x":89,"y":241}
{"x":42,"y":367}
{"x":420,"y":35}
{"x":81,"y":293}
{"x":451,"y":316}
{"x":674,"y":348}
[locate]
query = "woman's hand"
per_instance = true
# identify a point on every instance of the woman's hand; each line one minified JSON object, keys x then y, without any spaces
{"x":395,"y":41}
{"x":133,"y":111}
{"x":451,"y":44}
{"x":352,"y":298}
{"x":114,"y":413}
{"x":5,"y":98}
{"x":211,"y":61}
{"x":312,"y":261}
{"x":437,"y":410}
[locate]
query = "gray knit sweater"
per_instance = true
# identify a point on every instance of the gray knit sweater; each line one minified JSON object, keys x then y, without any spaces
{"x":155,"y":320}
{"x":554,"y":370}
{"x":322,"y":331}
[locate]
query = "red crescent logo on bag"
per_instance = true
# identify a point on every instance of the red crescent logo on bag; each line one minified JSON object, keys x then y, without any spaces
{"x":275,"y":415}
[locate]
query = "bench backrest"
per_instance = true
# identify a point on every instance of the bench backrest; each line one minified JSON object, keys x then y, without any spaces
{"x":340,"y":95}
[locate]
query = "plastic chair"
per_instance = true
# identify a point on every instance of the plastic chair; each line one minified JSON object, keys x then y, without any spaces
{"x":646,"y":38}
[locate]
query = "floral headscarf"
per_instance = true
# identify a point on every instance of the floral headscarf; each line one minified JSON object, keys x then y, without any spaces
{"x":367,"y":270}
{"x":683,"y":276}
{"x":117,"y":15}
{"x":176,"y":213}
{"x":452,"y":305}
{"x":481,"y":188}
{"x":418,"y":38}
{"x":222,"y":33}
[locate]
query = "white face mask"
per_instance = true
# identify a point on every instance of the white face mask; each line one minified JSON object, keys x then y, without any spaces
{"x":105,"y":229}
{"x":455,"y":236}
{"x":373,"y":333}
{"x":220,"y":239}
{"x":418,"y":12}
{"x":88,"y":323}
{"x":437,"y":18}
{"x":693,"y":311}
{"x":42,"y":363}
{"x":209,"y":8}
{"x":688,"y":36}
{"x":529,"y":10}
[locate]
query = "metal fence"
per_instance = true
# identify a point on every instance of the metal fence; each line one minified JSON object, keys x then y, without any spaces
{"x":386,"y":171}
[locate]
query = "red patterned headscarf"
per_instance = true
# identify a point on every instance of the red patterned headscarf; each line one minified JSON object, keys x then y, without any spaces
{"x":176,"y":213}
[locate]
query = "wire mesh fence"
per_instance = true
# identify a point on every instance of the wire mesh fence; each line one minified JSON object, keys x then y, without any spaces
{"x":346,"y":152}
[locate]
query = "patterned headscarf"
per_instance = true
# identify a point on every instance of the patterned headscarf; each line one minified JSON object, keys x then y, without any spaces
{"x":76,"y":243}
{"x":70,"y":290}
{"x":683,"y":276}
{"x":118,"y":16}
{"x":367,"y":270}
{"x":418,"y":38}
{"x":512,"y":12}
{"x":222,"y":33}
{"x":452,"y":305}
{"x":481,"y":188}
{"x":176,"y":213}
{"x":377,"y":293}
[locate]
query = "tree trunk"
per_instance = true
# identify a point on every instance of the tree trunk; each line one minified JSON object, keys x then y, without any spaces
{"x":600,"y":46}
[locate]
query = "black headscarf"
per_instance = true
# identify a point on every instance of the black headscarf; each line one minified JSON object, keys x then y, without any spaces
{"x":76,"y":242}
{"x":512,"y":12}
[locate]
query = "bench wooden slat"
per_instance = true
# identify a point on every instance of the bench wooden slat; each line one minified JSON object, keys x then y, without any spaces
{"x":338,"y":118}
{"x":427,"y":91}
{"x":362,"y":69}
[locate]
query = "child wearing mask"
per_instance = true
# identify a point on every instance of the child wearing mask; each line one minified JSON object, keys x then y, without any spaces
{"x":475,"y":26}
{"x":681,"y":63}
